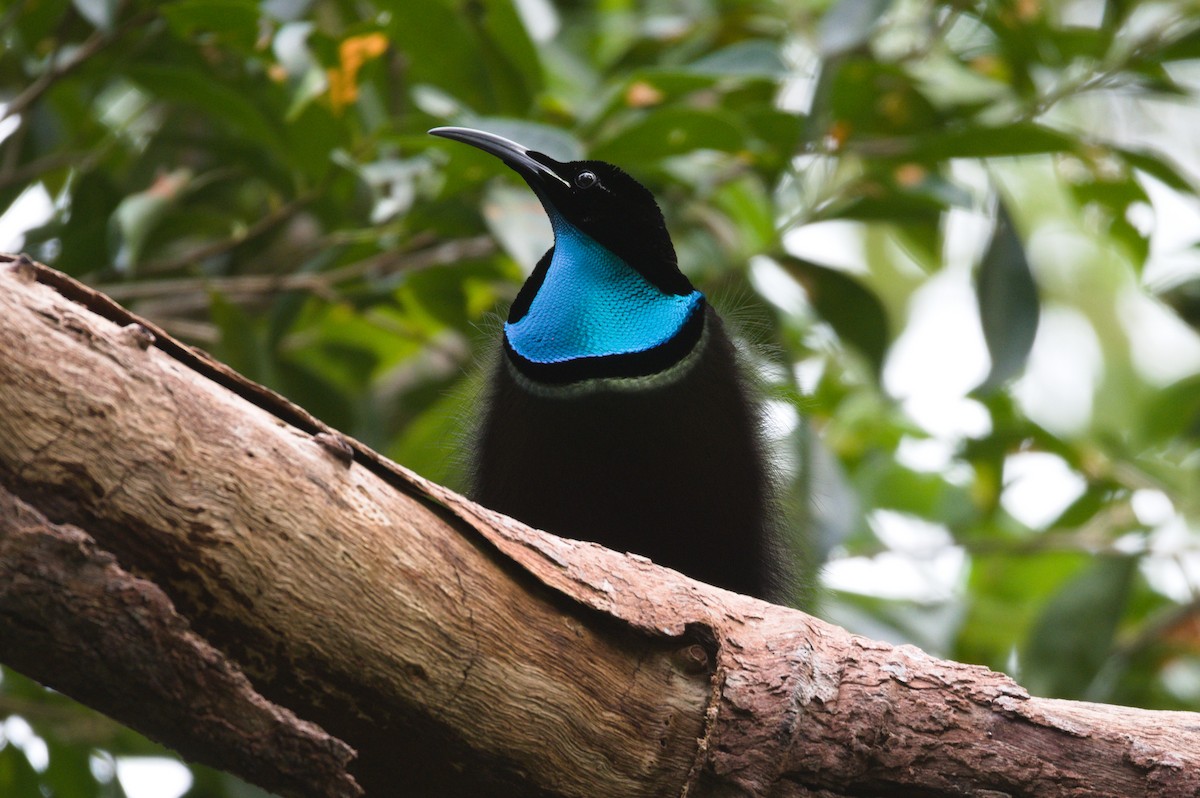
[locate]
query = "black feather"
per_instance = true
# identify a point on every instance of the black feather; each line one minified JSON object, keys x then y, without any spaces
{"x":674,"y":470}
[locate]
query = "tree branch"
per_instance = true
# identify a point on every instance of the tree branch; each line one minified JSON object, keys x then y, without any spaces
{"x":78,"y":622}
{"x":459,"y":652}
{"x":58,"y":69}
{"x":257,"y":285}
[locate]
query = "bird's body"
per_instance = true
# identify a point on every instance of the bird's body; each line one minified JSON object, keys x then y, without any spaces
{"x":617,"y":411}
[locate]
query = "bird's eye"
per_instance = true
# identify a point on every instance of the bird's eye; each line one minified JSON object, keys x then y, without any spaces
{"x":586,"y":179}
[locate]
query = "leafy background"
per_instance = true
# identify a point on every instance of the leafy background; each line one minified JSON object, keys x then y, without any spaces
{"x":959,"y":237}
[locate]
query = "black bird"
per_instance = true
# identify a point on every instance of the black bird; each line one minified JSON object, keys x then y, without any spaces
{"x":618,"y":411}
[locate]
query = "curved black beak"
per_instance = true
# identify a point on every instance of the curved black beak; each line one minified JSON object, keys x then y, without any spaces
{"x":519,"y":158}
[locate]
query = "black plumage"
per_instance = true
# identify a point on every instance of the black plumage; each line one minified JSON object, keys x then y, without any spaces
{"x":617,"y":411}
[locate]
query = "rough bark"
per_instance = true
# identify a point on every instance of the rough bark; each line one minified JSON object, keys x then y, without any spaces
{"x":156,"y":501}
{"x":71,"y":616}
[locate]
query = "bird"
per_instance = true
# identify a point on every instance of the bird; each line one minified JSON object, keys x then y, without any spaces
{"x":618,"y":409}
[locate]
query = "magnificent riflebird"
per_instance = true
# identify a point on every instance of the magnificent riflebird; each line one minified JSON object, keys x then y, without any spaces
{"x":618,"y":411}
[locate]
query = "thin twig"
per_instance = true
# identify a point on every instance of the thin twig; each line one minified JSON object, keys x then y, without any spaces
{"x":213,"y":248}
{"x":251,"y":285}
{"x":82,"y":162}
{"x":92,"y":45}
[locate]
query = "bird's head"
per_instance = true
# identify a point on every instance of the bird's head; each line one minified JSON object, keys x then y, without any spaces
{"x":596,"y":198}
{"x":609,"y":299}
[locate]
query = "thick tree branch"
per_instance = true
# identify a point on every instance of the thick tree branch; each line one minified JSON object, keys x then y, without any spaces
{"x":79,"y":623}
{"x":459,"y":652}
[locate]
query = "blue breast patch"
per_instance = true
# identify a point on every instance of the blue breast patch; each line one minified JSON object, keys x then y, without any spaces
{"x":592,"y":304}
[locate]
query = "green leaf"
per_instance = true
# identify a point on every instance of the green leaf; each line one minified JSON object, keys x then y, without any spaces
{"x":754,"y":58}
{"x":442,"y":292}
{"x":1111,"y":199}
{"x":240,"y":345}
{"x":1020,"y":138}
{"x":1073,"y":636}
{"x":1151,"y":76}
{"x":1183,"y":48}
{"x":347,"y":347}
{"x":17,"y":776}
{"x":882,"y":482}
{"x":1093,"y":500}
{"x":779,"y":131}
{"x":671,"y":131}
{"x":1008,"y":303}
{"x":871,"y":99}
{"x":1184,"y":299}
{"x":1079,"y":42}
{"x":1158,"y":166}
{"x":502,"y":25}
{"x":1006,"y":595}
{"x":37,"y":21}
{"x":855,"y":313}
{"x":748,"y":205}
{"x":218,"y":100}
{"x":478,"y":52}
{"x":1174,"y":412}
{"x":70,"y":775}
{"x":94,"y":197}
{"x":234,"y":22}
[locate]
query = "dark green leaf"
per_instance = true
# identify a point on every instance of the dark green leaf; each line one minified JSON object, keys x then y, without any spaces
{"x":1093,"y":500}
{"x":1079,"y":42}
{"x":232,"y":21}
{"x":1108,"y":201}
{"x":1151,"y":76}
{"x":1008,"y":303}
{"x":70,"y":775}
{"x":1184,"y":299}
{"x":1021,"y":138}
{"x":1158,"y":166}
{"x":779,"y":131}
{"x":1174,"y":412}
{"x":748,"y":205}
{"x":216,"y":99}
{"x":17,"y":776}
{"x":240,"y":344}
{"x":671,"y":131}
{"x":36,"y":21}
{"x":85,"y":235}
{"x":503,"y":26}
{"x":1183,"y":48}
{"x":478,"y":52}
{"x":1006,"y":596}
{"x":1074,"y":634}
{"x":854,"y":312}
{"x":897,"y":209}
{"x":869,"y":99}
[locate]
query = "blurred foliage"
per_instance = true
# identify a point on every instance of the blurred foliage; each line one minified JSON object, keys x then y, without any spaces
{"x":255,"y":176}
